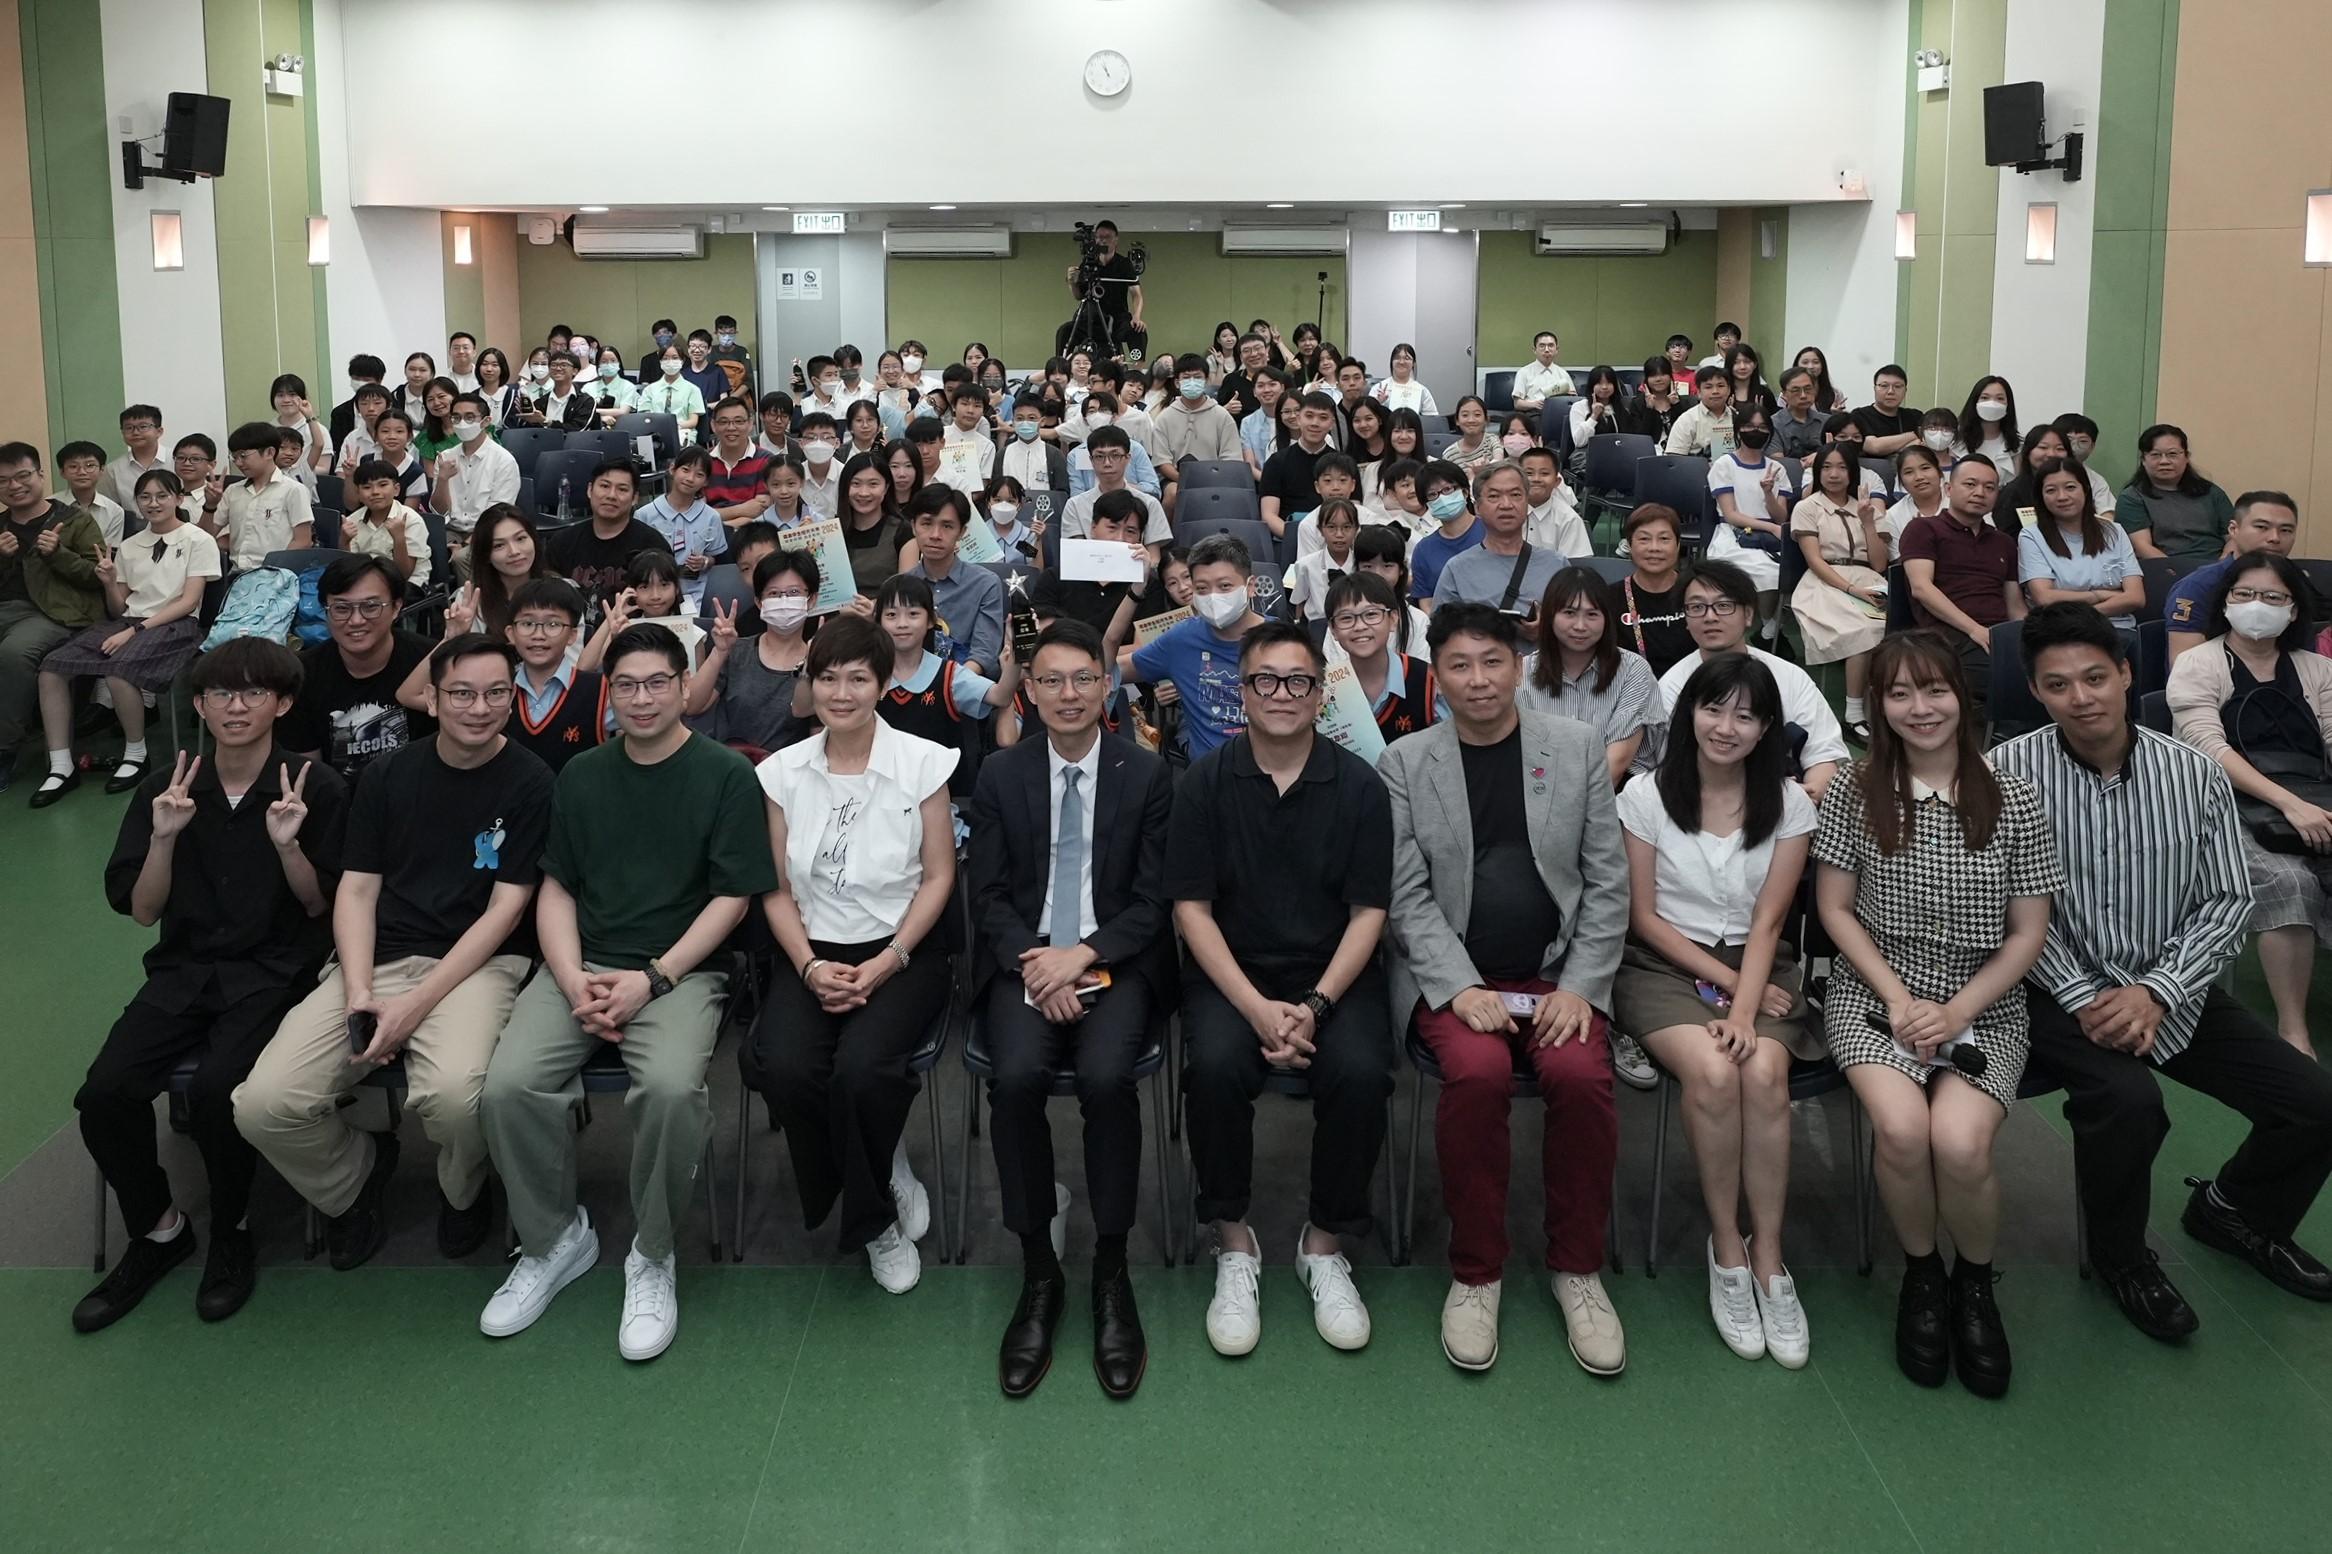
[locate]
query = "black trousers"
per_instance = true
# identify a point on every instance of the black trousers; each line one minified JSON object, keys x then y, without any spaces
{"x":1027,"y":1049}
{"x":116,"y":1101}
{"x":2114,"y":1105}
{"x":1976,"y":663}
{"x":838,"y":1084}
{"x":1351,"y":1077}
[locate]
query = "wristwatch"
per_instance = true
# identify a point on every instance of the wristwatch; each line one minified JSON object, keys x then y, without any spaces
{"x":658,"y":983}
{"x":895,"y":949}
{"x":1321,"y":1005}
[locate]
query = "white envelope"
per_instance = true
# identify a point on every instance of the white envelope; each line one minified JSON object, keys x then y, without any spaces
{"x":1099,"y":561}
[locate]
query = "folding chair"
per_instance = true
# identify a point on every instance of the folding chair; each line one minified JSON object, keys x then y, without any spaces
{"x":608,"y":444}
{"x":2154,"y":711}
{"x":604,"y":1074}
{"x":327,"y":523}
{"x":1899,"y":616}
{"x":2014,"y":709}
{"x":650,"y":423}
{"x":527,"y":444}
{"x":1201,"y":473}
{"x":1610,"y":480}
{"x":566,"y":475}
{"x":1498,"y":390}
{"x":331,"y":491}
{"x":1213,"y":509}
{"x":1680,"y":481}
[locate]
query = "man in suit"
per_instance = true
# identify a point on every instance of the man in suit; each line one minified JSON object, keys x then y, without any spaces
{"x":1067,"y":878}
{"x":1510,"y":902}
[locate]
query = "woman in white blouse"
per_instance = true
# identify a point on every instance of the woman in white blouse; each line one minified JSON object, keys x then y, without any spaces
{"x":1717,"y":840}
{"x":1403,"y":391}
{"x":859,"y":822}
{"x":1919,"y":471}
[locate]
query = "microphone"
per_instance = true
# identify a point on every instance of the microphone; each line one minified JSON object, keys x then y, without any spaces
{"x":1963,"y":1055}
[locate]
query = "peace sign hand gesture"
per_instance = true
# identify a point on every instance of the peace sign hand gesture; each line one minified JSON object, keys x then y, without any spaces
{"x":286,"y":815}
{"x":724,"y":625}
{"x":174,"y":805}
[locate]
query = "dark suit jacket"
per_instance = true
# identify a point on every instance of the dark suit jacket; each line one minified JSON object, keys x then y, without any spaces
{"x":1011,"y":819}
{"x":342,"y":423}
{"x":582,"y":412}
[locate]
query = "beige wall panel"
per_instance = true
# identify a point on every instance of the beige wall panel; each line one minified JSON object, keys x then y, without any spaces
{"x":2251,"y":134}
{"x":2231,"y":297}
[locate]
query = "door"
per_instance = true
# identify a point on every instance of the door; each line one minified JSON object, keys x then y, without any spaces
{"x":1446,"y":265}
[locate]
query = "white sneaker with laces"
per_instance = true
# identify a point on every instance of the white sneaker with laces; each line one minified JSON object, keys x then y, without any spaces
{"x":892,"y":1257}
{"x":534,"y":1281}
{"x":1630,"y":1063}
{"x":1733,"y":1303}
{"x":1469,"y":1324}
{"x":908,"y":1196}
{"x":651,"y":1305}
{"x":1234,"y":1318}
{"x":1787,"y":1337}
{"x":1597,"y":1342}
{"x":1336,"y":1308}
{"x":1060,"y":1225}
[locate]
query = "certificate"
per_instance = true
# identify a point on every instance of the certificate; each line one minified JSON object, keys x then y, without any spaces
{"x":1100,"y":561}
{"x":837,"y":585}
{"x":1346,"y":717}
{"x":959,"y":466}
{"x":979,"y":543}
{"x":1151,"y":628}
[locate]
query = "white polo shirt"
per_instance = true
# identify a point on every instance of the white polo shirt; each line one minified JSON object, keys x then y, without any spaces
{"x":480,"y":479}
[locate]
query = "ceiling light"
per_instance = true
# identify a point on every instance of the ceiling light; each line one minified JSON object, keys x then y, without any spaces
{"x":1633,"y":204}
{"x":1280,"y":205}
{"x":777,"y":207}
{"x":1453,"y":205}
{"x":943,"y":207}
{"x":592,"y":210}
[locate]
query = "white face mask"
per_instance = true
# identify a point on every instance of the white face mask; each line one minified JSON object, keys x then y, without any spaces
{"x":1220,"y":610}
{"x":784,"y":614}
{"x":1098,"y":418}
{"x":2257,"y":621}
{"x":1002,"y":514}
{"x":1937,"y":441}
{"x":1991,"y":410}
{"x":671,"y":367}
{"x":538,"y":370}
{"x":911,"y":363}
{"x":818,"y":452}
{"x":468,"y":431}
{"x":829,"y":387}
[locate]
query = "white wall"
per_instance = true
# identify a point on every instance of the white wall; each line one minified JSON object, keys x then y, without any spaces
{"x":1380,"y":303}
{"x":170,"y":333}
{"x":1453,"y":73}
{"x":2040,"y":312}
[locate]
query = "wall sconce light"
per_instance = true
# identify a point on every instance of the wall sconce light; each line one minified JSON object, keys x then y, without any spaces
{"x":2318,"y":251}
{"x":1768,"y":239}
{"x":461,"y":242}
{"x":319,"y":240}
{"x":1906,"y":234}
{"x":2040,"y":233}
{"x":169,"y":240}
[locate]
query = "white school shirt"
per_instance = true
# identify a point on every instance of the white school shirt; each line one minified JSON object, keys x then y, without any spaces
{"x":1090,"y":769}
{"x":1412,"y":395}
{"x":1537,"y":382}
{"x":854,"y":845}
{"x":150,"y":583}
{"x":822,"y":497}
{"x":1558,"y":526}
{"x":360,"y":534}
{"x":103,"y":508}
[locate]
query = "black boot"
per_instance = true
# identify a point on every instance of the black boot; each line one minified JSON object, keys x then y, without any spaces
{"x":229,"y":1274}
{"x":1922,"y":1322}
{"x":143,"y":1262}
{"x":1027,"y":1351}
{"x":2279,"y":1257}
{"x":2148,"y":1298}
{"x":1120,"y":1353}
{"x":1979,"y":1343}
{"x":354,"y":1236}
{"x":462,"y":1231}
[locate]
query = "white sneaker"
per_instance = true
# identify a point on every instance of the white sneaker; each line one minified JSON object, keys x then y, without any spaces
{"x":1787,"y":1338}
{"x":1060,"y":1225}
{"x":1469,"y":1324}
{"x":1234,"y":1318}
{"x":651,"y":1305}
{"x":1631,"y":1064}
{"x":534,"y":1280}
{"x":1336,"y":1308}
{"x":892,"y":1257}
{"x":1597,"y":1342}
{"x":1733,"y":1303}
{"x":908,"y":1196}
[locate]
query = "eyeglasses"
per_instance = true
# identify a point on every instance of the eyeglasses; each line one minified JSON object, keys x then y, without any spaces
{"x":220,"y":700}
{"x":628,"y":689}
{"x":18,"y":476}
{"x":467,"y":695}
{"x":1720,"y":608}
{"x":1083,"y":680}
{"x":2274,"y":596}
{"x":796,"y":595}
{"x":1295,"y":686}
{"x":536,"y":626}
{"x":350,"y":609}
{"x":1372,"y":615}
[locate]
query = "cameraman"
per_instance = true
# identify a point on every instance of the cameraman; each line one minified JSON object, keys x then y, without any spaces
{"x":1120,"y":299}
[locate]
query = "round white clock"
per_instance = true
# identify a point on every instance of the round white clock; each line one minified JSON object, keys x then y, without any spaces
{"x":1107,"y":73}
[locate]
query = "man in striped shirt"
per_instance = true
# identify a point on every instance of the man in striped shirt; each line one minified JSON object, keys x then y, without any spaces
{"x":2155,"y":907}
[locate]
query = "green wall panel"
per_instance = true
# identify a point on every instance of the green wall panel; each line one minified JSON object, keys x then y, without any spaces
{"x":1609,"y":310}
{"x":2131,"y":163}
{"x":465,"y":284}
{"x":1943,"y":297}
{"x":615,"y":300}
{"x":73,"y":165}
{"x":1768,"y":320}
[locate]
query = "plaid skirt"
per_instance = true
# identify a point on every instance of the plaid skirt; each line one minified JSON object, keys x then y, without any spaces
{"x":2289,"y":890}
{"x":150,"y":660}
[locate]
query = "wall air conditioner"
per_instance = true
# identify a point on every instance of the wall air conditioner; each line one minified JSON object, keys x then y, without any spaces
{"x":1283,"y":240}
{"x":948,"y":242}
{"x":606,"y":241}
{"x":1634,"y":237}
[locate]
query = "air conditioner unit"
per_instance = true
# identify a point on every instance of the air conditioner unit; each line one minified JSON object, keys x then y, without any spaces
{"x":1283,"y":240}
{"x":948,"y":242}
{"x":1635,"y":237}
{"x":601,"y":241}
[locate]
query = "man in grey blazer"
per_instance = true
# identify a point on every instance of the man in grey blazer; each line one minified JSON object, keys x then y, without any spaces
{"x":1510,"y":901}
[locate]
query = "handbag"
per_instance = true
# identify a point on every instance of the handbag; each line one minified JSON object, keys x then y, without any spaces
{"x":2304,"y":775}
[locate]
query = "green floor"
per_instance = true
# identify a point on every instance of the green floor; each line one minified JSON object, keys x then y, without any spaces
{"x":802,"y":1409}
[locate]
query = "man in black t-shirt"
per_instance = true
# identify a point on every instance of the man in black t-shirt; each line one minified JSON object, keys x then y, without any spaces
{"x":1887,"y":425}
{"x":348,"y":712}
{"x":593,"y":555}
{"x":1121,"y":296}
{"x":1508,"y":915}
{"x":1286,"y":486}
{"x":442,"y":854}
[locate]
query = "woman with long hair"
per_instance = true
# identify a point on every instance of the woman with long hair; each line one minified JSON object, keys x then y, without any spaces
{"x":2067,"y":554}
{"x":495,"y":386}
{"x":1474,"y":447}
{"x":873,"y":527}
{"x":1581,"y":671}
{"x":1988,"y":424}
{"x":504,"y":551}
{"x":1827,"y":399}
{"x":1841,"y":601}
{"x":1746,"y":370}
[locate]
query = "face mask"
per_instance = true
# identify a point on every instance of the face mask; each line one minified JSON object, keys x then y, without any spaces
{"x":1939,"y":442}
{"x":1446,"y":506}
{"x":609,"y":370}
{"x":1220,"y":610}
{"x":1099,"y":418}
{"x":784,"y":615}
{"x":927,"y":411}
{"x":664,"y":337}
{"x":1002,"y":514}
{"x":1756,"y":437}
{"x":468,"y":431}
{"x":538,"y":371}
{"x":829,"y":387}
{"x":818,"y":452}
{"x":1991,"y":410}
{"x":2259,"y":622}
{"x":726,"y":339}
{"x":1514,"y":443}
{"x":1026,"y":431}
{"x":2081,"y":448}
{"x":1193,"y":388}
{"x":911,"y":363}
{"x":671,"y":368}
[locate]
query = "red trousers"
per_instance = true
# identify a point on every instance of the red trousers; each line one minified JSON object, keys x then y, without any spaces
{"x":1580,"y":1149}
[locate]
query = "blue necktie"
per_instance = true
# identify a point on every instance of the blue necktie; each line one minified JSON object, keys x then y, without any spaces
{"x":1069,"y":863}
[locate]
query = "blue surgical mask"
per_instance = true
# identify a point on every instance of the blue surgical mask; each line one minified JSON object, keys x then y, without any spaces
{"x":926,"y":410}
{"x":726,"y":339}
{"x":1026,"y":431}
{"x":1193,"y":388}
{"x":663,"y":338}
{"x":1446,"y":506}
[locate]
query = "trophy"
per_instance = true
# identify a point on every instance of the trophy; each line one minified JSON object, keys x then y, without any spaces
{"x":1022,"y":618}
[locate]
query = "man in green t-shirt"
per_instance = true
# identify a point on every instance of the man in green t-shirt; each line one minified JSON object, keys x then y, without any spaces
{"x":657,"y":846}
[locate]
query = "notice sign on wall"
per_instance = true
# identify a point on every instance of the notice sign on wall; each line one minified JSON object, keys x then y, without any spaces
{"x":801,"y":285}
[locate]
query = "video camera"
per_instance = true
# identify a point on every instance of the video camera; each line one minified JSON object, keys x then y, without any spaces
{"x":1089,"y":260}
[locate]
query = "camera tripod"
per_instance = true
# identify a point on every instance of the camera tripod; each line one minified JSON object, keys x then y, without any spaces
{"x":1090,"y":329}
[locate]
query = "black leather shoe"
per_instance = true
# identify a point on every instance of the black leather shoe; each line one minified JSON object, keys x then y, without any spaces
{"x":229,"y":1275}
{"x":462,"y":1231}
{"x":1120,"y":1353}
{"x":126,"y":776}
{"x":143,"y":1262}
{"x":2148,"y":1298}
{"x":53,"y":788}
{"x":353,"y":1237}
{"x":1027,"y":1352}
{"x":2278,"y":1257}
{"x":1979,"y":1344}
{"x":1923,"y":1325}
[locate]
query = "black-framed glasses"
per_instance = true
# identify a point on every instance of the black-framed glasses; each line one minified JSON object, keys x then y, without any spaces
{"x":1295,"y":686}
{"x":1370,"y":615}
{"x":350,"y":609}
{"x":1697,"y":608}
{"x":2273,"y":596}
{"x":536,"y":626}
{"x":629,"y":689}
{"x":467,"y":695}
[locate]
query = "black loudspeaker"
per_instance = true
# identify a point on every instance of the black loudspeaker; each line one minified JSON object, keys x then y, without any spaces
{"x":194,"y":135}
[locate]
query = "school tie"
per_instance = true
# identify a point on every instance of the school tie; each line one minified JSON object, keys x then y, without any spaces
{"x":1069,"y":863}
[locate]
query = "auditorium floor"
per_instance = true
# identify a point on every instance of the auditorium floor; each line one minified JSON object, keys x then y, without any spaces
{"x":803,"y":1409}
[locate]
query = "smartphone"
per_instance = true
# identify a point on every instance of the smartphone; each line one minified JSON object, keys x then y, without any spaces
{"x":363,"y":1024}
{"x":1523,"y":1006}
{"x":1712,"y":995}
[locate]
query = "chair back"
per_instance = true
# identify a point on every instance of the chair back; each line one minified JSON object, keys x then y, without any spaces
{"x":1200,"y":473}
{"x":2162,"y":574}
{"x":1680,"y":481}
{"x":1437,"y":442}
{"x":526,"y":444}
{"x":1498,"y":390}
{"x":331,"y":491}
{"x":574,"y":467}
{"x":1612,"y":569}
{"x":1207,"y":506}
{"x":328,"y":521}
{"x":2154,"y":711}
{"x":1611,"y":459}
{"x":1899,"y":616}
{"x":2015,"y":710}
{"x":653,"y":423}
{"x":610,"y":444}
{"x":1554,"y":425}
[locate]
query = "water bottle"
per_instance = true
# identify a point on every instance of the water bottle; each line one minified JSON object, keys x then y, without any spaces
{"x":565,"y":512}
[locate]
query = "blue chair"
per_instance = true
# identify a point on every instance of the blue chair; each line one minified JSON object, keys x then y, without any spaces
{"x":314,"y":559}
{"x":525,"y":503}
{"x":571,"y":469}
{"x":527,"y":444}
{"x":1200,"y":473}
{"x":327,"y":523}
{"x":1680,"y":481}
{"x":1223,"y":510}
{"x":1554,"y":425}
{"x":2162,"y":574}
{"x":1498,"y":390}
{"x":651,"y":423}
{"x":331,"y":491}
{"x":2153,"y":663}
{"x":1437,"y":443}
{"x":607,"y":444}
{"x":1611,"y":467}
{"x":1883,"y":471}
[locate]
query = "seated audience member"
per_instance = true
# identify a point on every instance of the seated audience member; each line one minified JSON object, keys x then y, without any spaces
{"x":1192,"y":425}
{"x":2126,"y":985}
{"x":1987,"y":426}
{"x":611,"y":395}
{"x":475,"y":473}
{"x":349,"y":710}
{"x":1508,"y":928}
{"x":1201,"y":658}
{"x":756,"y":681}
{"x":290,"y":457}
{"x":1752,"y":492}
{"x":2069,"y":553}
{"x":503,"y":552}
{"x":1651,"y":596}
{"x":383,"y":526}
{"x":1335,"y":478}
{"x":1279,"y":864}
{"x":558,"y":710}
{"x":1286,"y":487}
{"x":1108,"y":450}
{"x":1505,"y":571}
{"x":153,"y":593}
{"x":1719,"y":604}
{"x":650,"y":591}
{"x":1475,"y":449}
{"x":49,"y":586}
{"x":234,"y":855}
{"x":2019,"y":506}
{"x":1259,"y":434}
{"x":873,"y":528}
{"x":1038,"y":465}
{"x":1962,"y":572}
{"x":1109,"y":608}
{"x":737,"y":471}
{"x":141,"y":439}
{"x":1337,"y":523}
{"x":968,"y":599}
{"x":565,"y":404}
{"x":913,"y":461}
{"x":967,"y":428}
{"x":688,"y":523}
{"x":1935,"y":884}
{"x":1919,"y":472}
{"x":1382,"y":551}
{"x":395,"y":432}
{"x":1797,"y":425}
{"x":655,"y":852}
{"x":858,"y":816}
{"x":787,"y":504}
{"x":1841,"y":601}
{"x":1578,"y":669}
{"x":678,"y":392}
{"x":1396,"y":498}
{"x":1018,"y":526}
{"x":1541,"y":378}
{"x":1596,"y":413}
{"x":863,"y":429}
{"x":2254,"y":698}
{"x":2168,"y":508}
{"x":1404,"y":390}
{"x":593,"y":555}
{"x":1705,"y":429}
{"x":822,"y":473}
{"x":444,"y":843}
{"x":1552,"y":521}
{"x":1068,"y":856}
{"x":1654,"y":407}
{"x":2265,"y":522}
{"x":1887,"y":427}
{"x":266,"y":510}
{"x":1363,"y":613}
{"x":929,"y":694}
{"x":194,"y":458}
{"x":1716,"y":847}
{"x":81,"y":466}
{"x":1746,"y":368}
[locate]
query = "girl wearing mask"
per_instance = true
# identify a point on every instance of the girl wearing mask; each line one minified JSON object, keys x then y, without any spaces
{"x":1841,"y":602}
{"x":1987,"y":424}
{"x":1474,"y":446}
{"x":1518,"y":436}
{"x":756,"y":681}
{"x":615,"y":396}
{"x":2068,"y":554}
{"x":534,"y":387}
{"x":1449,"y":502}
{"x":1019,"y":530}
{"x":1403,"y":391}
{"x":671,"y":393}
{"x":1753,"y":495}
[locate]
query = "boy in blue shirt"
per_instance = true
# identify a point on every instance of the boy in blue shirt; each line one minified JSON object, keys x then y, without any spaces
{"x":688,"y":522}
{"x":1201,"y":657}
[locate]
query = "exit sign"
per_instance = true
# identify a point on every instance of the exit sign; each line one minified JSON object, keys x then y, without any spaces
{"x":1413,"y":220}
{"x":817,"y":223}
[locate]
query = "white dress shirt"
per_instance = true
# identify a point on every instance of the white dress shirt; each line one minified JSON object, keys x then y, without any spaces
{"x":480,"y":480}
{"x":1090,"y":770}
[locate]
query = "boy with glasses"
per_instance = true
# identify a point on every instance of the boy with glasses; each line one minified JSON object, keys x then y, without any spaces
{"x":349,"y":710}
{"x":141,"y":434}
{"x":1720,"y":605}
{"x":557,"y":710}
